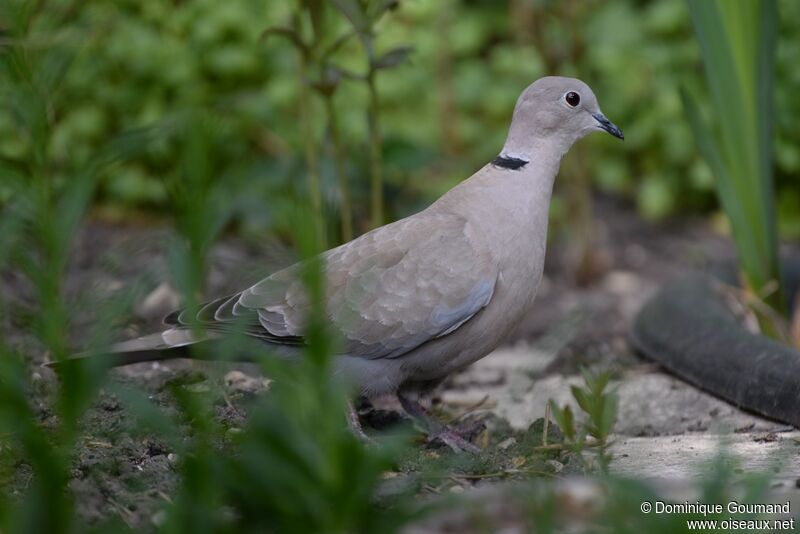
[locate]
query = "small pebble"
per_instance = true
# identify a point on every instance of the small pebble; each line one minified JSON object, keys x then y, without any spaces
{"x":159,"y":302}
{"x":506,"y":443}
{"x":111,"y":285}
{"x":555,"y":465}
{"x":233,"y":431}
{"x":244,"y":383}
{"x":159,"y":518}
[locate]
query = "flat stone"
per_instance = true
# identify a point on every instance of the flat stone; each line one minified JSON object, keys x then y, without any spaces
{"x":654,"y":403}
{"x":691,"y":456}
{"x":650,"y":403}
{"x":238,"y":381}
{"x":521,"y":357}
{"x":629,"y":289}
{"x":159,"y":302}
{"x":523,"y":400}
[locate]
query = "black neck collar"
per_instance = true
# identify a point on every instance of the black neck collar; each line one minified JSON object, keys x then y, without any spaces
{"x":507,"y":162}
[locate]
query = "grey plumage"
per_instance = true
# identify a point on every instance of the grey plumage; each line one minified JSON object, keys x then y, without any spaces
{"x":424,"y":296}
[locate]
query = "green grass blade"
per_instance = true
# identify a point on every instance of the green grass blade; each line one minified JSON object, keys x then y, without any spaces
{"x":736,"y":39}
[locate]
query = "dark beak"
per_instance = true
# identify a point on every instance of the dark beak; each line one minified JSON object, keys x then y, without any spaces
{"x":608,"y":126}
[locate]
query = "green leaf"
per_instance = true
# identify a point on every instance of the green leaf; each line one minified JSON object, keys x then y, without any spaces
{"x":609,"y":415}
{"x":376,"y":9}
{"x":392,"y":58}
{"x":564,"y":419}
{"x":347,"y":74}
{"x":353,"y":11}
{"x":337,"y":44}
{"x":737,"y":42}
{"x":582,"y":398}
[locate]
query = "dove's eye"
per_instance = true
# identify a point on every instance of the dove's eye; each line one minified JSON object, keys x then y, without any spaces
{"x":572,"y":98}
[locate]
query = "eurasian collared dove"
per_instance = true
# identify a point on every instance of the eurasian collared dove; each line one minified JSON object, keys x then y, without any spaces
{"x":425,"y":296}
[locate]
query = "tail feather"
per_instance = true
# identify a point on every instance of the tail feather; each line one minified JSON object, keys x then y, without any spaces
{"x":166,"y":345}
{"x":175,"y":342}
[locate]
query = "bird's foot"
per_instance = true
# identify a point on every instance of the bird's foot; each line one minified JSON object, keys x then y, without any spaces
{"x":454,"y":440}
{"x":458,"y":439}
{"x":354,"y":423}
{"x":472,"y":428}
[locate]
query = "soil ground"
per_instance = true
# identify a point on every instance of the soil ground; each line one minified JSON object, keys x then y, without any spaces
{"x":666,"y":430}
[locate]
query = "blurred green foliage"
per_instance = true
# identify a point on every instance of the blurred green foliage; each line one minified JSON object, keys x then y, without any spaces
{"x":141,"y":64}
{"x":295,"y":467}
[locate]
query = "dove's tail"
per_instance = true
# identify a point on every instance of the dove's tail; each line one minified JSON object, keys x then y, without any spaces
{"x":176,"y":342}
{"x":166,"y":345}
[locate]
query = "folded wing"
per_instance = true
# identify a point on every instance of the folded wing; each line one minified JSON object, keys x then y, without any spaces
{"x":387,"y":292}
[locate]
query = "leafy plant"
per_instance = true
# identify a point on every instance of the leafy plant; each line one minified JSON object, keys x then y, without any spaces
{"x":293,"y":468}
{"x":316,"y":54}
{"x":363,"y":16}
{"x":600,"y":410}
{"x":737,"y":41}
{"x":39,"y":228}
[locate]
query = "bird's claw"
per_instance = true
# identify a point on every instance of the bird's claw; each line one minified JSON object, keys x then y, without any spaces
{"x":454,"y":440}
{"x":354,"y":424}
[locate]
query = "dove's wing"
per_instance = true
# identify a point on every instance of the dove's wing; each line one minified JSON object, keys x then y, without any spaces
{"x":387,"y":292}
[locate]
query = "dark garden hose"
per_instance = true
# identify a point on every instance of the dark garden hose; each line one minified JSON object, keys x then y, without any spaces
{"x":689,"y":329}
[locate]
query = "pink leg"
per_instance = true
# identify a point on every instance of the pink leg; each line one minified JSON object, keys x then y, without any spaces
{"x":435,"y":428}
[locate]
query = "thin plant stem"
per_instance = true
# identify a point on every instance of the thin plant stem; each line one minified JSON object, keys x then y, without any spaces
{"x":375,"y":154}
{"x":445,"y":88}
{"x":312,"y":164}
{"x":583,"y":259}
{"x":345,"y":210}
{"x":546,"y":428}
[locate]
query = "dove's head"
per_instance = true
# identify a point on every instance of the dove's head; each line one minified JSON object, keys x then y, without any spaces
{"x":555,"y":111}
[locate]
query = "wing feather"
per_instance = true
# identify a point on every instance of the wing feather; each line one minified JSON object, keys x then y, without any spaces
{"x":387,"y":292}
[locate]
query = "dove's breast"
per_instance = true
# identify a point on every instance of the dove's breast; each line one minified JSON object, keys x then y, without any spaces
{"x":514,"y":295}
{"x":510,"y":211}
